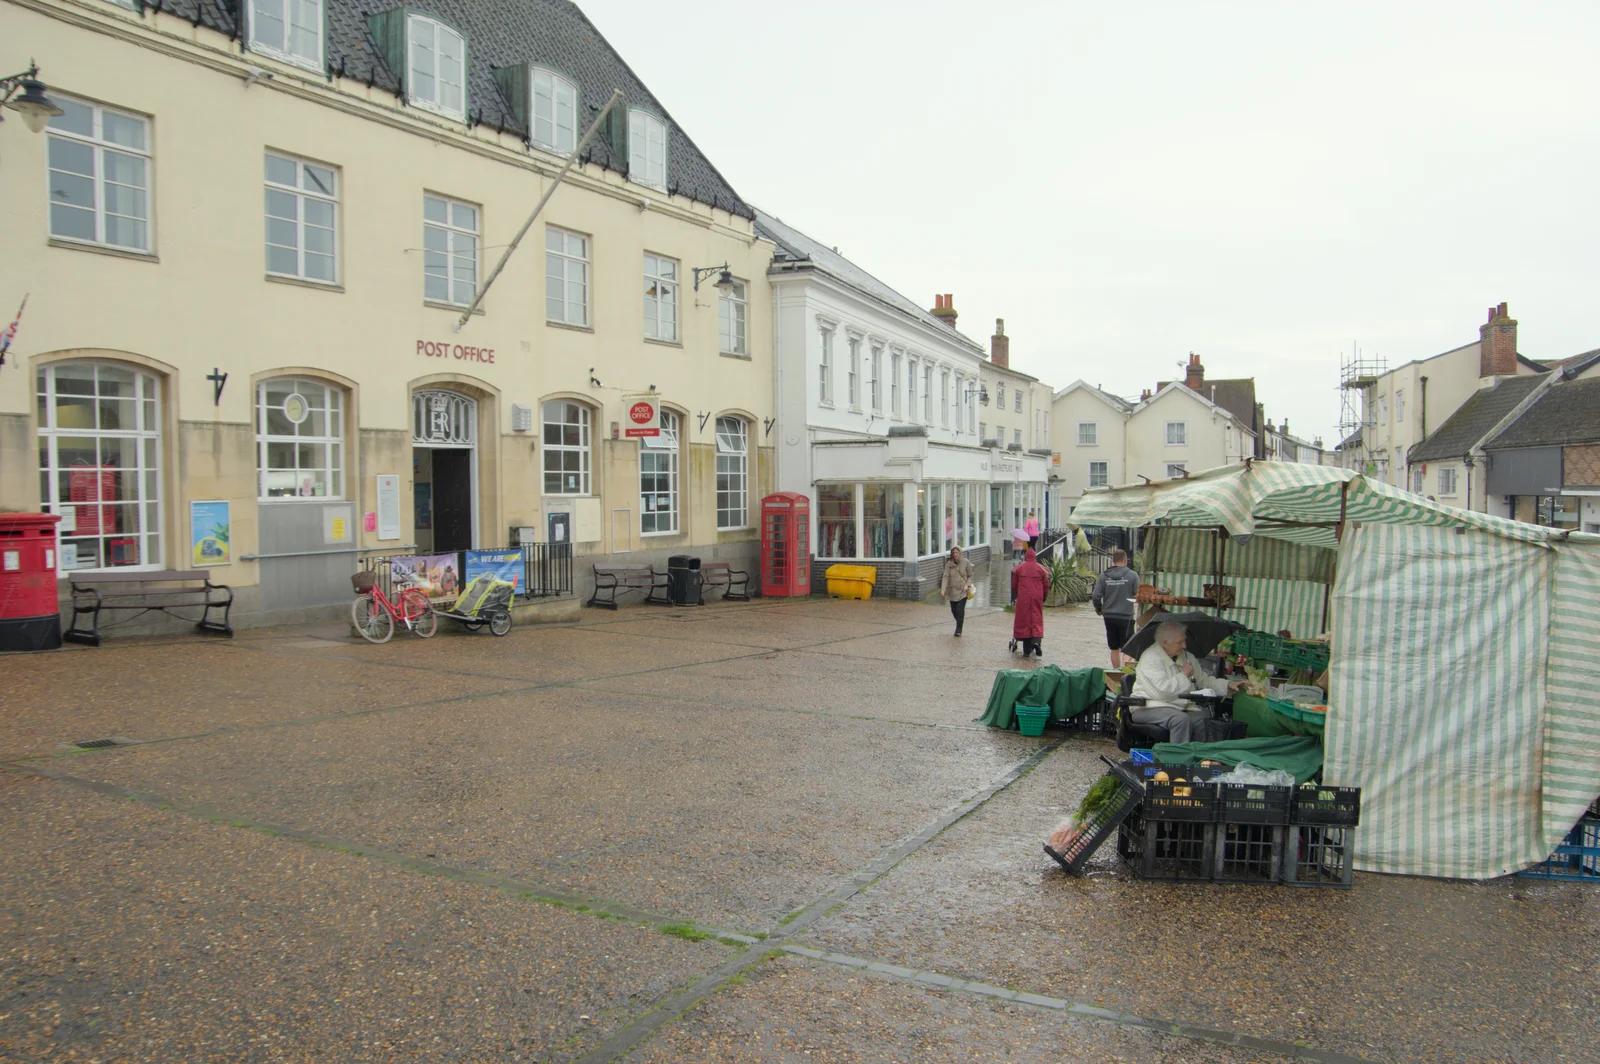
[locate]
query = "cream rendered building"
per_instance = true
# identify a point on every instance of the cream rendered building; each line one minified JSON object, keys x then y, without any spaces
{"x":247,"y":242}
{"x":1015,"y":417}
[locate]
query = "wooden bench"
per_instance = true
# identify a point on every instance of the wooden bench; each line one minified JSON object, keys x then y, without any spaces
{"x":620,"y":579}
{"x":735,"y":583}
{"x":93,"y":592}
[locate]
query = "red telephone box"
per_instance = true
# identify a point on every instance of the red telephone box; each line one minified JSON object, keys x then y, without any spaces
{"x":785,"y":545}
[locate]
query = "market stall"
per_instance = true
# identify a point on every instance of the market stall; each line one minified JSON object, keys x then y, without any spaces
{"x":1461,"y":667}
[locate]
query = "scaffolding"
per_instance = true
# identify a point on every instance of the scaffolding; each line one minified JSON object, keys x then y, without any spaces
{"x":1358,"y":373}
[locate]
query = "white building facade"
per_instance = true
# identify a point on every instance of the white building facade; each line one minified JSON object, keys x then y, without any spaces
{"x":879,"y":404}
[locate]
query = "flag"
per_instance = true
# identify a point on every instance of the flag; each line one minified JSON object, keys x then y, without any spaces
{"x":10,"y":332}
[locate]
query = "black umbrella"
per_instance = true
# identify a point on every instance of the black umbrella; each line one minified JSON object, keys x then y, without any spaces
{"x":1205,"y":632}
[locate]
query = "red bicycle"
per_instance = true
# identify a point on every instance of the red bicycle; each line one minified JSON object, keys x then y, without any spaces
{"x":374,"y":615}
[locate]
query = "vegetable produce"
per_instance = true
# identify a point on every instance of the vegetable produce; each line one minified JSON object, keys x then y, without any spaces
{"x":1100,"y":795}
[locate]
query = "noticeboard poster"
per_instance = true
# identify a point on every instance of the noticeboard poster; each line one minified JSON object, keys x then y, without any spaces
{"x":208,"y":533}
{"x":504,"y":565}
{"x":437,"y":575}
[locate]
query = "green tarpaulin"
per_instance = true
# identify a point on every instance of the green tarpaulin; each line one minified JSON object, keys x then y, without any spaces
{"x":1261,"y":721}
{"x":1295,"y":754}
{"x":1066,"y":693}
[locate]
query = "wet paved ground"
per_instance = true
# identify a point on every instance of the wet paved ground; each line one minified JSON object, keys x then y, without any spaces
{"x":763,"y":832}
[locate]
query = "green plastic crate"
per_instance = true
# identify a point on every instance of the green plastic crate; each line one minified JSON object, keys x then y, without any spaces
{"x":1032,"y":719}
{"x":1290,"y":653}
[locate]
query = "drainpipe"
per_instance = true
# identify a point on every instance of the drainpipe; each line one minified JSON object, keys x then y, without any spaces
{"x":1469,"y":463}
{"x":1424,"y":408}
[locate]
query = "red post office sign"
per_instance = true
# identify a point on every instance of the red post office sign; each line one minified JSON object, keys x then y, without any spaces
{"x":643,"y":417}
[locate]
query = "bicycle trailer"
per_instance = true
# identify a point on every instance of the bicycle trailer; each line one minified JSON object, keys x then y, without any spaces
{"x":485,"y":600}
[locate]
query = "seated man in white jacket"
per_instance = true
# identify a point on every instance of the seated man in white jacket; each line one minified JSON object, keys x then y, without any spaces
{"x":1166,"y":671}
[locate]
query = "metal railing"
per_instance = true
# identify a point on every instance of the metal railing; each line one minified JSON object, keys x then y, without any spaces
{"x":547,"y":569}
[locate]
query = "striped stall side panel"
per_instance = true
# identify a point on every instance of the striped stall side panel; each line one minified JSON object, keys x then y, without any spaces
{"x":1190,"y":550}
{"x":1572,"y":716}
{"x":1434,"y":710}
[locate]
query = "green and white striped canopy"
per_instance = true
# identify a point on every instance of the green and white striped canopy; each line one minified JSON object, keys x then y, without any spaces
{"x":1464,"y":681}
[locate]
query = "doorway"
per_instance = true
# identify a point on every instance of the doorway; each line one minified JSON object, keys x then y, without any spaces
{"x":444,"y":466}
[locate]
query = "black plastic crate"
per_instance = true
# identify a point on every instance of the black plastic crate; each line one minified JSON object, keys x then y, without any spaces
{"x":1248,"y":853}
{"x":1220,"y":731}
{"x":1097,"y":830}
{"x":1167,"y":849}
{"x":1317,"y":855}
{"x":1330,"y":806}
{"x":1191,"y":803}
{"x":1251,"y":803}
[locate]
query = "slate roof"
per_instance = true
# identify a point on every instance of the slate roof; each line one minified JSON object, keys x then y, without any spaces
{"x":1469,"y":424}
{"x":795,"y":246}
{"x":1569,"y":412}
{"x":502,"y":33}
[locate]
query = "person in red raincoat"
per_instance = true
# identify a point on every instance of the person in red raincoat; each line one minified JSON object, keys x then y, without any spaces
{"x":1029,"y":582}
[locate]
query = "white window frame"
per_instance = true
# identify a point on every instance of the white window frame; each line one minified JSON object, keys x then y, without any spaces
{"x":971,"y":397}
{"x":733,"y":320}
{"x":461,"y":243}
{"x":558,"y":110}
{"x":1447,"y":482}
{"x":565,"y":268}
{"x":1176,"y":469}
{"x":944,"y":398}
{"x":1093,"y":435}
{"x":1177,"y":434}
{"x":1419,"y":481}
{"x":660,"y":451}
{"x":927,"y":393}
{"x":896,"y":358}
{"x":961,"y":401}
{"x":437,"y":34}
{"x":854,"y":379}
{"x":145,"y":436}
{"x":1016,"y":437}
{"x":825,"y":366}
{"x":303,"y":195}
{"x":584,"y":448}
{"x":733,"y":462}
{"x":661,"y":292}
{"x":1018,"y":392}
{"x":99,"y":147}
{"x":999,"y":396}
{"x":647,"y":149}
{"x":1104,"y":474}
{"x":983,"y":431}
{"x":318,"y":62}
{"x":875,"y":377}
{"x":331,"y":439}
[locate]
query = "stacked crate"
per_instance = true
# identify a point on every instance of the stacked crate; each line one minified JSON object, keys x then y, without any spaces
{"x":1320,"y":850}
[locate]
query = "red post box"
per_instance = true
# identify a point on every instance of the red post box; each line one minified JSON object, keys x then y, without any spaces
{"x":30,"y":618}
{"x":785,"y":545}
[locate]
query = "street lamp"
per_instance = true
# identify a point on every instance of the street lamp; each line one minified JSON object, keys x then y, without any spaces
{"x":724,"y":283}
{"x":33,"y":105}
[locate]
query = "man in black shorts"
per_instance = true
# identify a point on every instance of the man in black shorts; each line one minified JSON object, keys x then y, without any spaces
{"x":1113,"y":600}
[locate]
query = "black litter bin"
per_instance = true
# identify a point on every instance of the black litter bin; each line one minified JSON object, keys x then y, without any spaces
{"x":683,"y":581}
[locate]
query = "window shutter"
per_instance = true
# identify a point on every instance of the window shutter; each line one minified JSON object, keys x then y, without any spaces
{"x":389,"y":33}
{"x":516,"y":86}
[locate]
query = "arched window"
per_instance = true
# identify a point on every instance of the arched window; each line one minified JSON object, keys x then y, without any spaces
{"x":566,"y":448}
{"x":100,"y":462}
{"x":733,"y":473}
{"x":647,"y":149}
{"x":438,"y":78}
{"x":658,"y":479}
{"x":299,"y":439}
{"x":555,"y":111}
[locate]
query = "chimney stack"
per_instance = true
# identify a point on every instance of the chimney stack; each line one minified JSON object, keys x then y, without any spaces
{"x":944,"y":308}
{"x":1497,"y":344}
{"x":1144,"y":396}
{"x":1195,"y":376}
{"x":1000,"y":345}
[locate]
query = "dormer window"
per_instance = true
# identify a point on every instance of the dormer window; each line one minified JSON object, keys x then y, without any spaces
{"x":437,"y":67}
{"x":647,"y":149}
{"x":555,"y":112}
{"x":290,"y":30}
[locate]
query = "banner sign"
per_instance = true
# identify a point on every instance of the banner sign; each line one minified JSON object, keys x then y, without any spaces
{"x":504,"y":565}
{"x":644,"y":416}
{"x":437,"y":575}
{"x":208,"y":533}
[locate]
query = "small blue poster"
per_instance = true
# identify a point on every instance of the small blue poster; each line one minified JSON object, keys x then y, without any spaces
{"x":208,"y":532}
{"x":501,"y":564}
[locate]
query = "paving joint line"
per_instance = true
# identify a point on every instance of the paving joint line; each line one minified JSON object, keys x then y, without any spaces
{"x":1082,"y":1010}
{"x":597,"y":907}
{"x":622,"y":1042}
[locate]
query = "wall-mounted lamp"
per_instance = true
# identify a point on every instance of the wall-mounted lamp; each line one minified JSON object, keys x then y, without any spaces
{"x":33,"y":105}
{"x":724,"y":282}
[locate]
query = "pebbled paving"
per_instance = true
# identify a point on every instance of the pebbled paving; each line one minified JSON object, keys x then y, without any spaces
{"x":731,"y":767}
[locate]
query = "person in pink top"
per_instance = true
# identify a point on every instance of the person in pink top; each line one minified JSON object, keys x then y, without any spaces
{"x":1031,"y":527}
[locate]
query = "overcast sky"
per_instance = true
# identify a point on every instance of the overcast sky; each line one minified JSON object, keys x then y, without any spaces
{"x":1266,"y":183}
